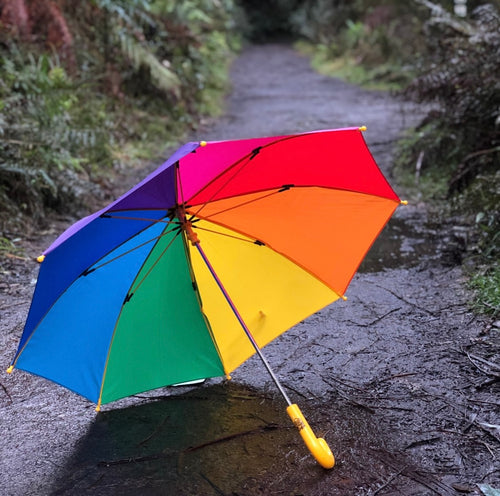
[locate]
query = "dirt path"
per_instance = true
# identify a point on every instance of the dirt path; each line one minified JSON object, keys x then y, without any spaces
{"x":399,"y":379}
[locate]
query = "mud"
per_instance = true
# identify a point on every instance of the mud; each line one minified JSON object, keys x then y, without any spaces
{"x":400,"y":379}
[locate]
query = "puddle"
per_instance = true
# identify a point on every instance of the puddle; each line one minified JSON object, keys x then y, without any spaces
{"x":214,"y":439}
{"x":402,"y":244}
{"x":209,"y":437}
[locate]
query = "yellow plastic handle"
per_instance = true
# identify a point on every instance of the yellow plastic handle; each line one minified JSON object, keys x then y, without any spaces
{"x":317,"y":446}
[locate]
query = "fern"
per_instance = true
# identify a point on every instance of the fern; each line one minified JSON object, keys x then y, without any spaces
{"x":166,"y":60}
{"x":163,"y":78}
{"x":42,"y":133}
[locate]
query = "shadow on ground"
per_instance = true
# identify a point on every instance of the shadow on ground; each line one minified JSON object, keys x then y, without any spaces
{"x":217,"y":439}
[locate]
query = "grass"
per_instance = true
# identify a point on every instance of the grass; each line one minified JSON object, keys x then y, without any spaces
{"x":486,"y":285}
{"x":383,"y":77}
{"x":9,"y":249}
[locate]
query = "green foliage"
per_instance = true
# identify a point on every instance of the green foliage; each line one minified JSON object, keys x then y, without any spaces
{"x":424,"y":160}
{"x":145,"y":71}
{"x":325,"y":60}
{"x":459,"y":139}
{"x":480,"y":201}
{"x":461,"y":77}
{"x":375,"y":44}
{"x":140,"y":56}
{"x":321,"y":21}
{"x":460,"y":136}
{"x":8,"y":247}
{"x":43,"y":131}
{"x":486,"y":284}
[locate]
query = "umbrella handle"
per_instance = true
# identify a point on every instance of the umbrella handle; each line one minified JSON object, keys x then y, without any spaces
{"x":317,"y":446}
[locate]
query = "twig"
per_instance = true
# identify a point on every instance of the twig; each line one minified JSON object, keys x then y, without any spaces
{"x":12,"y":305}
{"x":487,"y":383}
{"x":268,"y":427}
{"x":356,"y":403}
{"x":493,"y":365}
{"x":493,"y":307}
{"x":400,"y":408}
{"x":480,"y":402}
{"x":464,"y":171}
{"x":414,"y":305}
{"x":160,"y":425}
{"x":382,"y":143}
{"x":138,"y":459}
{"x":212,"y":485}
{"x":491,"y":429}
{"x":488,"y":448}
{"x":421,"y":442}
{"x":6,"y":392}
{"x":343,"y":383}
{"x":426,"y":480}
{"x":473,"y":359}
{"x":397,"y":376}
{"x":429,"y":482}
{"x":296,"y":391}
{"x":16,"y":257}
{"x":389,"y":481}
{"x":418,"y":166}
{"x":485,"y":476}
{"x":19,"y":142}
{"x":470,"y":424}
{"x":166,"y":454}
{"x":378,"y":319}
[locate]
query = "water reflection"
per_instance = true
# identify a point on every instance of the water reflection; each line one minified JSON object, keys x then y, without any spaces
{"x":402,"y":244}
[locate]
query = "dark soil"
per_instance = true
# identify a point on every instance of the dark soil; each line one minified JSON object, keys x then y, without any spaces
{"x":401,"y":379}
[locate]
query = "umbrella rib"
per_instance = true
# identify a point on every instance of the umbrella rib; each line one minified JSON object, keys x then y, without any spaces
{"x":262,"y":242}
{"x":280,"y":189}
{"x":243,"y":165}
{"x":156,"y":238}
{"x":239,"y":238}
{"x":248,"y":202}
{"x":139,"y":284}
{"x":194,"y":282}
{"x":146,"y":219}
{"x":178,"y":183}
{"x":127,"y":298}
{"x":84,"y":273}
{"x":249,"y":156}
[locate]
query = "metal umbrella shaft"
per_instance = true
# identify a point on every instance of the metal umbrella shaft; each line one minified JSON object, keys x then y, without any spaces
{"x":242,"y":323}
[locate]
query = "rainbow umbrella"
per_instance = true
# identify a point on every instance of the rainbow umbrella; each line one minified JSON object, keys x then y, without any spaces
{"x":217,"y":252}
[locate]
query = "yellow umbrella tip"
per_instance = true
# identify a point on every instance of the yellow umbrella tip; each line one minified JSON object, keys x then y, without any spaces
{"x":10,"y":369}
{"x":404,"y":202}
{"x":362,"y":128}
{"x":203,"y":143}
{"x":40,"y":259}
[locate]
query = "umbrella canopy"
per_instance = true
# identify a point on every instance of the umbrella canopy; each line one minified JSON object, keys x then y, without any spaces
{"x":217,"y":252}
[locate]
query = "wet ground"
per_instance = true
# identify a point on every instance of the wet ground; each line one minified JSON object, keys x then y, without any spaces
{"x":401,"y":379}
